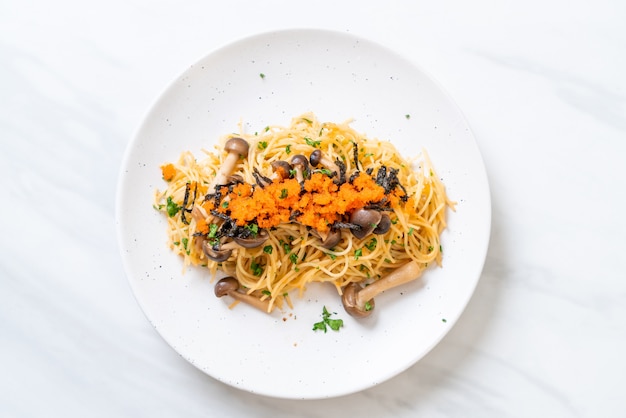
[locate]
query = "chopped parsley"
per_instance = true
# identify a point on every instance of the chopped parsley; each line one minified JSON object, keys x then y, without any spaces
{"x":324,"y":171}
{"x":311,"y":142}
{"x":262,"y":145}
{"x":326,"y":322}
{"x":172,"y":207}
{"x":268,"y":249}
{"x":358,"y":253}
{"x":372,"y":244}
{"x":283,"y":194}
{"x":286,"y":246}
{"x":262,"y":75}
{"x":288,"y":149}
{"x":212,"y":230}
{"x":256,"y":268}
{"x":293,"y":257}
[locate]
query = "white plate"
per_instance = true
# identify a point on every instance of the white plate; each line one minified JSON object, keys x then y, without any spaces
{"x":337,"y":76}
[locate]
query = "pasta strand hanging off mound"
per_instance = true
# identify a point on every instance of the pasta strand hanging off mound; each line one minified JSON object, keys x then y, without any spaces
{"x":288,"y":211}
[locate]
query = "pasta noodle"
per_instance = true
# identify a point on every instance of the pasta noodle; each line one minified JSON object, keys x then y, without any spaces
{"x":292,"y":215}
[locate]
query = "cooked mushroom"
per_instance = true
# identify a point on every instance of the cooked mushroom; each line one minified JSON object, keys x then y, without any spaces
{"x":253,"y":241}
{"x":230,"y":286}
{"x":222,"y":251}
{"x":384,"y":224}
{"x":281,"y":170}
{"x":332,"y":239}
{"x":329,"y":239}
{"x":317,"y":157}
{"x":366,"y":219}
{"x":236,"y":147}
{"x":359,"y":301}
{"x":301,"y":165}
{"x":222,"y":254}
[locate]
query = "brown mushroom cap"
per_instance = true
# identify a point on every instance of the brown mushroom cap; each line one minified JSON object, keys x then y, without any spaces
{"x":300,"y":160}
{"x":237,"y":145}
{"x":315,"y":158}
{"x":282,"y":168}
{"x":255,"y":241}
{"x":332,"y":239}
{"x":225,"y":286}
{"x":229,"y":286}
{"x":384,"y":224}
{"x":367,"y":219}
{"x":350,"y":302}
{"x":301,"y":165}
{"x":215,"y":255}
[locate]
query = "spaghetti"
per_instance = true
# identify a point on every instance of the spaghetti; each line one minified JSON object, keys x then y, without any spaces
{"x":309,"y":202}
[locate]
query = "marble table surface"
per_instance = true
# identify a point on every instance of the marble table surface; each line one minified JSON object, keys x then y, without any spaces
{"x":542,"y":85}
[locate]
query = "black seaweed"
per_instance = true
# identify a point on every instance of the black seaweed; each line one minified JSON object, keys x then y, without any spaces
{"x":184,"y":208}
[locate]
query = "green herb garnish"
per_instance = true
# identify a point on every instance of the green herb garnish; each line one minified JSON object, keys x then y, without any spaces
{"x":256,"y":268}
{"x":212,"y":230}
{"x":172,"y":207}
{"x":311,"y":142}
{"x":326,"y":321}
{"x":372,"y":244}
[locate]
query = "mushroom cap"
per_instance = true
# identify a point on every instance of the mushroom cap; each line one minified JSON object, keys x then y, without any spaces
{"x":225,"y":286}
{"x":384,"y":224}
{"x":253,"y":241}
{"x":332,"y":239}
{"x":300,"y":160}
{"x":315,"y":158}
{"x":282,"y":168}
{"x":219,"y":255}
{"x":237,"y":145}
{"x":235,"y":178}
{"x":350,"y":304}
{"x":367,"y":219}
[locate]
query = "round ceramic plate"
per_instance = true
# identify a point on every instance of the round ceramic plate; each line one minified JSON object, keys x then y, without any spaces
{"x":268,"y":79}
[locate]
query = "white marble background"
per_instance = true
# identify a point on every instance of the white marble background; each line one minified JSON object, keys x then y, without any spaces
{"x":543,"y":85}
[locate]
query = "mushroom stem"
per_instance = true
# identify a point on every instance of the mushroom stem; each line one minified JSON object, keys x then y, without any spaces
{"x":404,"y":274}
{"x":235,"y":147}
{"x":230,"y":286}
{"x":301,"y":166}
{"x":359,"y":302}
{"x":317,"y":157}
